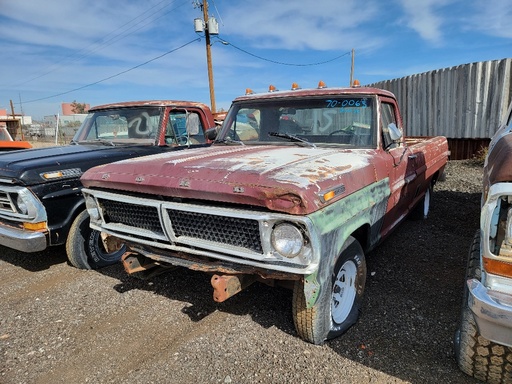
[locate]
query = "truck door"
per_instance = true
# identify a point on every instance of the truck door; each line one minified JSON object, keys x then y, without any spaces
{"x":396,"y":157}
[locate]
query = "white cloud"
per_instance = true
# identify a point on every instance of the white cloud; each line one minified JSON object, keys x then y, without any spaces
{"x":493,"y":17}
{"x":301,"y":25}
{"x":425,"y":18}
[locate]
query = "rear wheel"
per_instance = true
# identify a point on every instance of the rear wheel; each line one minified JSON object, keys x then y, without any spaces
{"x":475,"y":355}
{"x":84,"y":246}
{"x":338,"y":305}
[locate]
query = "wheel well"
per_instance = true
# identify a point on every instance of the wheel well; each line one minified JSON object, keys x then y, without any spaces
{"x":73,"y":214}
{"x":361,"y":234}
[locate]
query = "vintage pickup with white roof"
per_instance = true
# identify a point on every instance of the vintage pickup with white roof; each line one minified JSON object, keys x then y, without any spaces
{"x":297,"y":186}
{"x":483,"y":340}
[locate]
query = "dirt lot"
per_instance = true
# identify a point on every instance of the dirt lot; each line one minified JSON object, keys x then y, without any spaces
{"x":62,"y":325}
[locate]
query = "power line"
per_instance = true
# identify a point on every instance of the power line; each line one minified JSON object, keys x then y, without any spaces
{"x":117,"y":74}
{"x":279,"y":62}
{"x":104,"y":42}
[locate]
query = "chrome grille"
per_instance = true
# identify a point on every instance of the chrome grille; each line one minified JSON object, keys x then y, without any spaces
{"x":239,"y":232}
{"x":5,"y":202}
{"x":133,"y":215}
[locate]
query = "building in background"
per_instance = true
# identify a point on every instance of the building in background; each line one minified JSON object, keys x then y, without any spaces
{"x":16,"y":125}
{"x":68,"y":122}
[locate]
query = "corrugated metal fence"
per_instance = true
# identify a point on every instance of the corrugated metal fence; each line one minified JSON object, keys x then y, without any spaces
{"x":464,"y":103}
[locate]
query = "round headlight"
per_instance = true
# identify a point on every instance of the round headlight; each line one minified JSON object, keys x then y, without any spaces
{"x":92,"y":208}
{"x":22,"y":206}
{"x":287,"y":239}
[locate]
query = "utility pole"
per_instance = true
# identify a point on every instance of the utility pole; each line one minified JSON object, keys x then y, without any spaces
{"x":352,"y":68}
{"x":209,"y":28}
{"x":18,"y":122}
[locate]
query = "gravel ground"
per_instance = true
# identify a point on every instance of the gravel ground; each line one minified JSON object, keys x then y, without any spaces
{"x":62,"y":325}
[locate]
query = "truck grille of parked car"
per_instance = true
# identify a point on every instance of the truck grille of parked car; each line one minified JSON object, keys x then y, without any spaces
{"x":234,"y":231}
{"x":5,"y":202}
{"x":220,"y":229}
{"x":138,"y":216}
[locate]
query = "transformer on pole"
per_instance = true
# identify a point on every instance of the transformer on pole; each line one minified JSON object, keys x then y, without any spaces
{"x":210,"y":27}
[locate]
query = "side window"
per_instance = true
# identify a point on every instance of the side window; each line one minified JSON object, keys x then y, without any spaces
{"x":246,"y":127}
{"x":176,"y":130}
{"x":387,"y":117}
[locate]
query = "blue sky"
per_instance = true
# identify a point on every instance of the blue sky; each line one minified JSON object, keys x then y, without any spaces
{"x":106,"y":51}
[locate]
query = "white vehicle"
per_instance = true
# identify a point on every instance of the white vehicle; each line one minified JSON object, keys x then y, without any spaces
{"x":483,"y":342}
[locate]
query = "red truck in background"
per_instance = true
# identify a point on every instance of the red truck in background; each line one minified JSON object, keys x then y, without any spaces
{"x":296,"y":188}
{"x":8,"y":144}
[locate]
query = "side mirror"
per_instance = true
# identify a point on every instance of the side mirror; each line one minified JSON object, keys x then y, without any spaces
{"x":394,"y":133}
{"x":192,"y":124}
{"x":211,"y":134}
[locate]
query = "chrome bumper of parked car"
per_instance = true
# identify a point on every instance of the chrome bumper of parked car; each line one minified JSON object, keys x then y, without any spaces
{"x":492,"y":311}
{"x":25,"y":241}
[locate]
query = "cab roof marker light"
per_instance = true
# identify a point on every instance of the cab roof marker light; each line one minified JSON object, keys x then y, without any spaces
{"x":356,"y":84}
{"x":248,"y":91}
{"x":295,"y":86}
{"x":272,"y":88}
{"x":321,"y":85}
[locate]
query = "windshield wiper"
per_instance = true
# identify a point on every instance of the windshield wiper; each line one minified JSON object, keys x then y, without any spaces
{"x":292,"y":138}
{"x":229,"y":141}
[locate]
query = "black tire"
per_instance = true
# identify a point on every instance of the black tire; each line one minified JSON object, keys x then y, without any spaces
{"x":84,"y":247}
{"x":422,"y":209}
{"x":339,"y":303}
{"x":475,"y":355}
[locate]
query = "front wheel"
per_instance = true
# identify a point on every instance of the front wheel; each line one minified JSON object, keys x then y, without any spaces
{"x":84,"y":246}
{"x":339,"y":302}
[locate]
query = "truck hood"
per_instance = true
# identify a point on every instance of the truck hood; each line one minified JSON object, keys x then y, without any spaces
{"x":25,"y":166}
{"x":289,"y":179}
{"x":6,"y":145}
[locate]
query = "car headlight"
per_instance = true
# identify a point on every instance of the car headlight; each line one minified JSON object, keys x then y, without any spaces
{"x":21,"y":205}
{"x":287,"y":240}
{"x":496,"y":224}
{"x":92,"y":208}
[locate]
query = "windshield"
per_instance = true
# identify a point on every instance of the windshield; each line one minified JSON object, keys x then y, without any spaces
{"x":332,"y":120}
{"x":118,"y":125}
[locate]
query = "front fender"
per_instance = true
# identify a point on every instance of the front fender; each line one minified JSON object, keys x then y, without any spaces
{"x":62,"y":208}
{"x":336,"y":222}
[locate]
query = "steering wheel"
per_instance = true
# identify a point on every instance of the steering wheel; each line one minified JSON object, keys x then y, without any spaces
{"x":347,"y":130}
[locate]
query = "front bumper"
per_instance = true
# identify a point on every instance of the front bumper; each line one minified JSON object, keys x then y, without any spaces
{"x":492,"y":311}
{"x":22,"y":240}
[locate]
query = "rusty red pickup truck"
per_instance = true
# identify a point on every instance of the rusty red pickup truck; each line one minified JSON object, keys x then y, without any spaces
{"x":296,"y":188}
